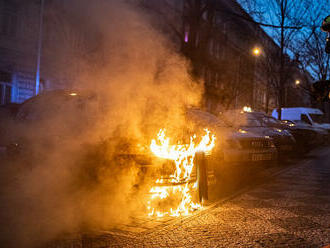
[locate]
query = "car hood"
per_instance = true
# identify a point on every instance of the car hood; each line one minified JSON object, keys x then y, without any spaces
{"x":232,"y":133}
{"x":267,"y":131}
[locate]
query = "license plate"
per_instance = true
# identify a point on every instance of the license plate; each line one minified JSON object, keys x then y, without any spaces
{"x":261,"y":156}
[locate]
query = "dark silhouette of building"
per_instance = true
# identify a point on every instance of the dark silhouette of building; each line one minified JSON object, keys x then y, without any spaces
{"x":229,"y":52}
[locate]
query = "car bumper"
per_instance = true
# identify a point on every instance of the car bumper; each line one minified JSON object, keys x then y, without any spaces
{"x":268,"y":154}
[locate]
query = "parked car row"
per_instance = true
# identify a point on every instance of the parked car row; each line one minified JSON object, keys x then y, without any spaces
{"x":307,"y":118}
{"x":291,"y":135}
{"x":243,"y":136}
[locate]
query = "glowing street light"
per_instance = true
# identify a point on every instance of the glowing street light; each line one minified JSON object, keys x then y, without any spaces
{"x":256,"y":51}
{"x":297,"y":82}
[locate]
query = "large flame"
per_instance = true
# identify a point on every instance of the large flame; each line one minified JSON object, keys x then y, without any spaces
{"x":183,"y":156}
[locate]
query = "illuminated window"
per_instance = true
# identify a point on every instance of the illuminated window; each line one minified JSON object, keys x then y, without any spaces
{"x":186,"y":34}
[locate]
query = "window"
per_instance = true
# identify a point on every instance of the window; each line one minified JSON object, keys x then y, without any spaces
{"x":305,"y":119}
{"x":319,"y":118}
{"x":251,"y":122}
{"x":186,"y":33}
{"x":270,"y":121}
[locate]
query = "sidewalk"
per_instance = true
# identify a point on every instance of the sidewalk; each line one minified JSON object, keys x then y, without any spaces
{"x":293,"y":210}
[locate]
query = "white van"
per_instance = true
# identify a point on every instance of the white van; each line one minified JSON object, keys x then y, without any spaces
{"x":312,"y":116}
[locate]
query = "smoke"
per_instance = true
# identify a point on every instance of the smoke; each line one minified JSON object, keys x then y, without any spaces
{"x":70,"y":179}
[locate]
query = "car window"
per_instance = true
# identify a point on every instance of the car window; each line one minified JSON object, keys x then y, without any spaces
{"x":43,"y":107}
{"x":251,"y":122}
{"x":56,"y":106}
{"x":270,"y":121}
{"x":318,"y":118}
{"x":239,"y":119}
{"x":305,"y":119}
{"x":203,"y":118}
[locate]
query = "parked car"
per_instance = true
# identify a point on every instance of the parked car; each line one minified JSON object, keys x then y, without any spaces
{"x":306,"y":116}
{"x":306,"y":136}
{"x":46,"y":120}
{"x":250,"y":121}
{"x":234,"y":144}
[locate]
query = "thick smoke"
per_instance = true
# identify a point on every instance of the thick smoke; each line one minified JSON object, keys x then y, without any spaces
{"x":140,"y":84}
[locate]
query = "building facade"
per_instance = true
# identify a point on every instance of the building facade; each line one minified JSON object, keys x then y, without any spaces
{"x":62,"y":36}
{"x":232,"y":55}
{"x":18,"y":47}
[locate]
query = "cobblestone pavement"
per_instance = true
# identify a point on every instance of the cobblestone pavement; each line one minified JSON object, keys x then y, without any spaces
{"x":292,"y":210}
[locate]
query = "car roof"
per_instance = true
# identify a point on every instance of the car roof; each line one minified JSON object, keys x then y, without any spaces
{"x":204,"y":116}
{"x":302,"y":110}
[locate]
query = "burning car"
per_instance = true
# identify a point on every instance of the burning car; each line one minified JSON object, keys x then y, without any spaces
{"x":235,"y":145}
{"x":196,"y":163}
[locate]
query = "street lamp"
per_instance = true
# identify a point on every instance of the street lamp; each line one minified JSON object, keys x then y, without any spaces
{"x":297,"y":82}
{"x":256,"y":51}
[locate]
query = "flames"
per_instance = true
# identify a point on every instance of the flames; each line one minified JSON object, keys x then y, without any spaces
{"x":179,"y":192}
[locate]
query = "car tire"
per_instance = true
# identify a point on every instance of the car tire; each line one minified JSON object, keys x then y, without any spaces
{"x":202,"y":176}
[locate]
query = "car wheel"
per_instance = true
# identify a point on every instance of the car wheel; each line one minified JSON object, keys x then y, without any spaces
{"x":202,"y":176}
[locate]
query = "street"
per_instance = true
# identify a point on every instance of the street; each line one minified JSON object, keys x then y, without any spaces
{"x":290,"y":208}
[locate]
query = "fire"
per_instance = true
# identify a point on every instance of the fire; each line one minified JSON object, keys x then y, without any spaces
{"x":183,"y":156}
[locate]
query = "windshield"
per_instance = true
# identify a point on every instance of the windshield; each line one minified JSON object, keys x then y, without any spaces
{"x":318,"y":118}
{"x":270,"y":120}
{"x":238,"y":119}
{"x":250,"y":122}
{"x":203,"y":117}
{"x":301,"y":122}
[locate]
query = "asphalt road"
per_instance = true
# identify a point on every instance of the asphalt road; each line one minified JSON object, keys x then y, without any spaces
{"x":289,"y":208}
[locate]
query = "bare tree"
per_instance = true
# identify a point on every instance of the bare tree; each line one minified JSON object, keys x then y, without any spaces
{"x":284,"y":20}
{"x":313,"y":57}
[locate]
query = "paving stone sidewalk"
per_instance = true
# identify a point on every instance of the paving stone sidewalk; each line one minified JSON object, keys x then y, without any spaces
{"x":293,"y":210}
